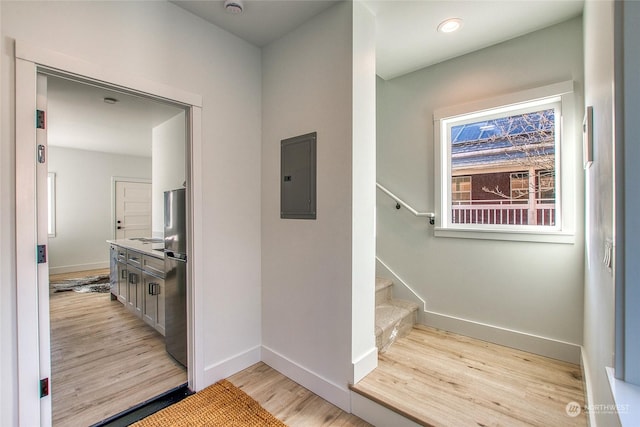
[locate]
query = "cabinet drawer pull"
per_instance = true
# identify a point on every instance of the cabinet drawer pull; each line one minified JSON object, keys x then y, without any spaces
{"x":154,"y":288}
{"x":133,"y":278}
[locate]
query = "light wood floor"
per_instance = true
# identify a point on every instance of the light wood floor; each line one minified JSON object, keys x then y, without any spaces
{"x":443,"y":379}
{"x":104,"y":359}
{"x":290,"y":402}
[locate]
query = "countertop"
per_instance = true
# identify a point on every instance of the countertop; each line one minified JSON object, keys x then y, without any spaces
{"x":152,"y":248}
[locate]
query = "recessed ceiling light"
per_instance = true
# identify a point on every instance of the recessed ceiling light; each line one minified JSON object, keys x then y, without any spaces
{"x":450,"y":25}
{"x":110,"y":100}
{"x":233,"y":6}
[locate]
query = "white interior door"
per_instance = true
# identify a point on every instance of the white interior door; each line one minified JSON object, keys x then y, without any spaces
{"x":133,"y":209}
{"x":42,"y":213}
{"x":32,"y":278}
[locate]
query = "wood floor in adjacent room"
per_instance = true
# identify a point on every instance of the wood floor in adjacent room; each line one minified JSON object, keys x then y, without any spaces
{"x":104,"y":359}
{"x":438,"y":379}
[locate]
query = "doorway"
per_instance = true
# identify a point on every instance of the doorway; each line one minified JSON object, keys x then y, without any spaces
{"x":104,"y":357}
{"x":32,"y":277}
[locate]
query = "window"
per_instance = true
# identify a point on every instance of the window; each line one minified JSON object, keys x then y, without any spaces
{"x":51,"y":204}
{"x":497,"y":165}
{"x":519,"y":186}
{"x":512,"y":145}
{"x":546,"y":185}
{"x":460,"y":188}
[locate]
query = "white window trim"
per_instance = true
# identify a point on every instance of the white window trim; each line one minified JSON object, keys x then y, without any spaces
{"x":566,"y":164}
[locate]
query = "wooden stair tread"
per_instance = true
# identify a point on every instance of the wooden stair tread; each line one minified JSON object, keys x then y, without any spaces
{"x":394,"y":311}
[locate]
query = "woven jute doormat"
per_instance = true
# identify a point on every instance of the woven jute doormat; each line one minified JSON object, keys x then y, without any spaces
{"x":221,"y":404}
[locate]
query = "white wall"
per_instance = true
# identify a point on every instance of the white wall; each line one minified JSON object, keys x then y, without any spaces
{"x":525,"y":288}
{"x":160,"y":42}
{"x":168,"y":145}
{"x":363,"y":221}
{"x":307,"y":264}
{"x":83,"y":205}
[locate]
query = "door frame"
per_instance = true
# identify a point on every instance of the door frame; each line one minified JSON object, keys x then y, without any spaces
{"x":114,"y":181}
{"x":32,"y":338}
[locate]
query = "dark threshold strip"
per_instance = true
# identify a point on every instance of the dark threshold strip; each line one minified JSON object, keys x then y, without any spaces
{"x":146,"y":408}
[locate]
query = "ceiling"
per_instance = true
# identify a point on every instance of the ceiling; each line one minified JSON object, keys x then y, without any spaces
{"x":79,"y":118}
{"x":406,"y":38}
{"x":262,"y":21}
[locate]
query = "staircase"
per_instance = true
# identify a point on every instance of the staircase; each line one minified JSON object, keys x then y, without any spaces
{"x":394,"y":317}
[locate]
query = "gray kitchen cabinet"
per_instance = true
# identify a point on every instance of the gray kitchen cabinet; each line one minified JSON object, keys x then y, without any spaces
{"x":154,"y":290}
{"x":153,"y":307}
{"x":135,"y":298}
{"x":134,"y":302}
{"x":122,"y":290}
{"x":138,"y":283}
{"x":123,"y":282}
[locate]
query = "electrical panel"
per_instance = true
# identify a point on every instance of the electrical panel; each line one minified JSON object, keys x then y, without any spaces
{"x":298,"y":177}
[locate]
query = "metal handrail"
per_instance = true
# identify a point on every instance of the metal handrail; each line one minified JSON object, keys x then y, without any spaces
{"x":400,"y":202}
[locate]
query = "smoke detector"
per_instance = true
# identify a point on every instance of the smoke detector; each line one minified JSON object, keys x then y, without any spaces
{"x":233,"y":6}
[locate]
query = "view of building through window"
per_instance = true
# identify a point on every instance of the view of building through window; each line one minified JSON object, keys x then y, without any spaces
{"x":503,"y":170}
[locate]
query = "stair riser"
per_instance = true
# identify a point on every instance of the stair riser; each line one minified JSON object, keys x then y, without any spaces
{"x":394,"y":318}
{"x":401,"y":328}
{"x":383,"y":295}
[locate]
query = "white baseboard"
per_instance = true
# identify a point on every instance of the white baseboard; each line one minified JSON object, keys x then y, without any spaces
{"x":231,"y":365}
{"x":78,"y":267}
{"x":338,"y":395}
{"x":522,"y":341}
{"x":588,"y":390}
{"x":363,"y":366}
{"x":376,"y":414}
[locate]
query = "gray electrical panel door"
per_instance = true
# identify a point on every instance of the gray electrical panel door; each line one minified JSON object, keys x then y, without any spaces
{"x":298,"y":177}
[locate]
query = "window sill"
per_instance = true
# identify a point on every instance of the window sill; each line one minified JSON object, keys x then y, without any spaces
{"x":507,"y":235}
{"x":626,"y":398}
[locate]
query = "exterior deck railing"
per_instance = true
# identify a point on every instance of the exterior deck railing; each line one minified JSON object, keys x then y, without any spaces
{"x":503,"y":212}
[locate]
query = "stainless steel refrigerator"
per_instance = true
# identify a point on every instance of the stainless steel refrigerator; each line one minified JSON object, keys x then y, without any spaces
{"x":175,"y":266}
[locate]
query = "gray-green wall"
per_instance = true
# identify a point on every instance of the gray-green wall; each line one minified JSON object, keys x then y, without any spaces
{"x":513,"y":292}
